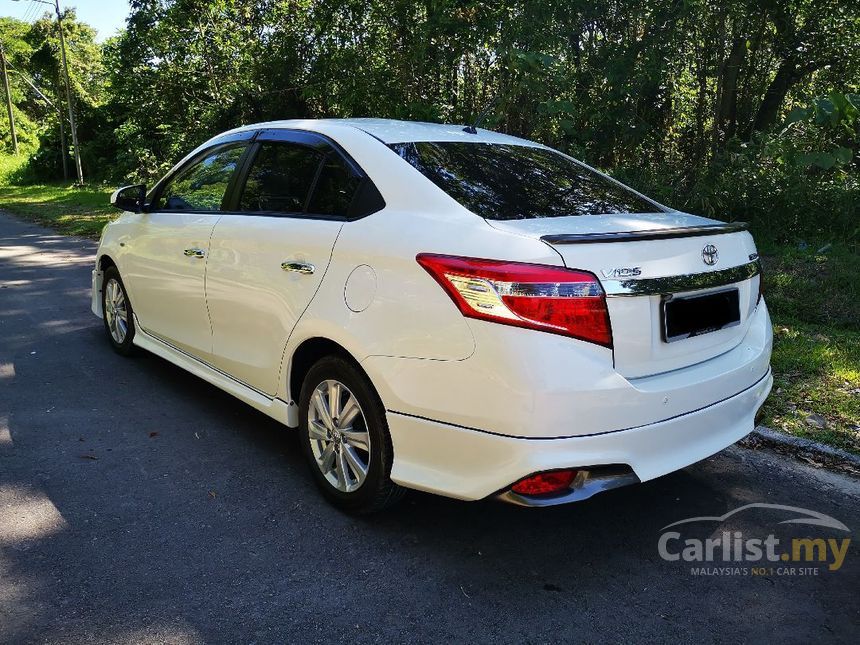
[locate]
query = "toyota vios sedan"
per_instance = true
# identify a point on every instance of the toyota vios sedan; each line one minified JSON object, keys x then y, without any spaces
{"x":443,"y":309}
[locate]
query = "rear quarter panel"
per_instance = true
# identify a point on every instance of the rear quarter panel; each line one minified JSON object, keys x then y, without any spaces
{"x":407,"y":315}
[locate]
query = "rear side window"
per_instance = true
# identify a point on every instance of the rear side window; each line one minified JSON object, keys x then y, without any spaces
{"x":509,"y":182}
{"x":334,"y":189}
{"x":280,"y":178}
{"x":201,"y":185}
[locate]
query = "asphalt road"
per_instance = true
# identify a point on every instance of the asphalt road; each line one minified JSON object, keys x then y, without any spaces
{"x":139,"y":504}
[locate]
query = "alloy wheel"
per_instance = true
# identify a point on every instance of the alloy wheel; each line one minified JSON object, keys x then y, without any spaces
{"x":338,"y":434}
{"x":116,"y":311}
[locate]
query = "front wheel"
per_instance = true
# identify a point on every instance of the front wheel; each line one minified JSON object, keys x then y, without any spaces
{"x":117,"y":312}
{"x":345,"y":437}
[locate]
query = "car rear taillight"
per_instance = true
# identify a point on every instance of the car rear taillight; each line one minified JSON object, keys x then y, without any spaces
{"x":545,"y":483}
{"x":557,"y":300}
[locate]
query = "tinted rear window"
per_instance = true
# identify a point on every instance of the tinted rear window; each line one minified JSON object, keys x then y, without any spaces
{"x":505,"y":182}
{"x":280,"y":178}
{"x":334,"y":189}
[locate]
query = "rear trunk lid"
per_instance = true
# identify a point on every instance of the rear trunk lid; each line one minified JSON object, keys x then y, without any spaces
{"x":655,"y":269}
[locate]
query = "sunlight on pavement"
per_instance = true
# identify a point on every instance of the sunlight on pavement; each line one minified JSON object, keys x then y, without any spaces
{"x":30,"y":255}
{"x":174,"y":634}
{"x":5,"y":435}
{"x":26,"y":515}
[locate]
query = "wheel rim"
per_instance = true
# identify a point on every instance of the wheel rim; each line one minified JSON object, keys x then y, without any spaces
{"x":116,"y":311}
{"x":337,"y":430}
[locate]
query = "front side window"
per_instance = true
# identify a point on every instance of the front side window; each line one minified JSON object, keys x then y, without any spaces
{"x":280,"y":178}
{"x":201,"y":186}
{"x":509,"y":182}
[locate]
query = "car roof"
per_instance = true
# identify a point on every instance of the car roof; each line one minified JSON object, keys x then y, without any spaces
{"x":394,"y":131}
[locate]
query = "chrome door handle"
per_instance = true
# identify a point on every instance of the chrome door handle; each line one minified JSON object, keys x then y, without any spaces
{"x":195,"y":253}
{"x":305,"y":268}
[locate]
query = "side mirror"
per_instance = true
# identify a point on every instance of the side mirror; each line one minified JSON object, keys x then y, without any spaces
{"x":129,"y":198}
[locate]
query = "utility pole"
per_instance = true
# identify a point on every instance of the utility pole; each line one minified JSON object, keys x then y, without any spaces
{"x":69,"y":95}
{"x":64,"y":150}
{"x":8,"y":99}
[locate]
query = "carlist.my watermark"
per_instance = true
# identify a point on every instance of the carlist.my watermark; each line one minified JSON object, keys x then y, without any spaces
{"x":823,"y":547}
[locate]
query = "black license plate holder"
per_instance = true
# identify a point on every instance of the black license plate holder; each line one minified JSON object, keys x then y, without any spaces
{"x":689,"y":316}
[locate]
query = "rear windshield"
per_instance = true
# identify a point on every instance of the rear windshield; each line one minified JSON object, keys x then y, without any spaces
{"x":506,"y":182}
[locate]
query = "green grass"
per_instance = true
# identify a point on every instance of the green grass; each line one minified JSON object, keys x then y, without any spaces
{"x":64,"y":207}
{"x":9,"y":165}
{"x":814,"y":299}
{"x":813,"y":296}
{"x":815,"y":286}
{"x":816,"y":371}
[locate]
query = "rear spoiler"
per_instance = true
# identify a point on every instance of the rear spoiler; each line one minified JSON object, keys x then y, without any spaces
{"x":648,"y":234}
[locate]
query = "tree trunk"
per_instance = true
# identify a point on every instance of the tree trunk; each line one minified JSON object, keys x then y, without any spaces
{"x":746,"y":85}
{"x":700,"y":149}
{"x":720,"y":48}
{"x":786,"y":76}
{"x":727,"y":112}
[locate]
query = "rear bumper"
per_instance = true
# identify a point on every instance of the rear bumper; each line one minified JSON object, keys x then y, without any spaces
{"x":470,"y":464}
{"x":522,"y":383}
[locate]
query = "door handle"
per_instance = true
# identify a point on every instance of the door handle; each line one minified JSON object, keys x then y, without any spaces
{"x":305,"y":268}
{"x":195,"y":253}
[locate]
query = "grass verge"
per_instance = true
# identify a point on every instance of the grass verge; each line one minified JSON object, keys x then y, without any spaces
{"x":812,"y":291}
{"x":817,"y":284}
{"x":813,"y":295}
{"x":68,"y":209}
{"x":816,"y":390}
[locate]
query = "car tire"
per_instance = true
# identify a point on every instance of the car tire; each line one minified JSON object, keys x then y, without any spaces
{"x":340,"y":413}
{"x":117,"y":314}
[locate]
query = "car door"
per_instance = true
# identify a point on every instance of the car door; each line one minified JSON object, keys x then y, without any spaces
{"x":270,"y":252}
{"x":164,"y":261}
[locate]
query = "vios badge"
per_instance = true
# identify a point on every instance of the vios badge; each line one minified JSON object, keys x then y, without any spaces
{"x":710,"y":255}
{"x":622,"y":272}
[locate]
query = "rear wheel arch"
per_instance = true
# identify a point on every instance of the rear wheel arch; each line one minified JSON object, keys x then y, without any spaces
{"x":307,"y":354}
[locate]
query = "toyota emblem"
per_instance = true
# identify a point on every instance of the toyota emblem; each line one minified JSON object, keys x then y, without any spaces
{"x":710,"y":255}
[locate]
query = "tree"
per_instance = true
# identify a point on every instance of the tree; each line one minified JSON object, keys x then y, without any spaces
{"x":685,"y":98}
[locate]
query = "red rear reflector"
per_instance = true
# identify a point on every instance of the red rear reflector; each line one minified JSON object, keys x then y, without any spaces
{"x":553,"y":299}
{"x":544,"y":483}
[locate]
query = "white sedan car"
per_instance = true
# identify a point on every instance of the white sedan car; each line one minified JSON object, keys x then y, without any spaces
{"x":443,"y":309}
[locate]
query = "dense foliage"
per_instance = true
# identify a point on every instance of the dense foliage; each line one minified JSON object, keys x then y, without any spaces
{"x":744,"y":109}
